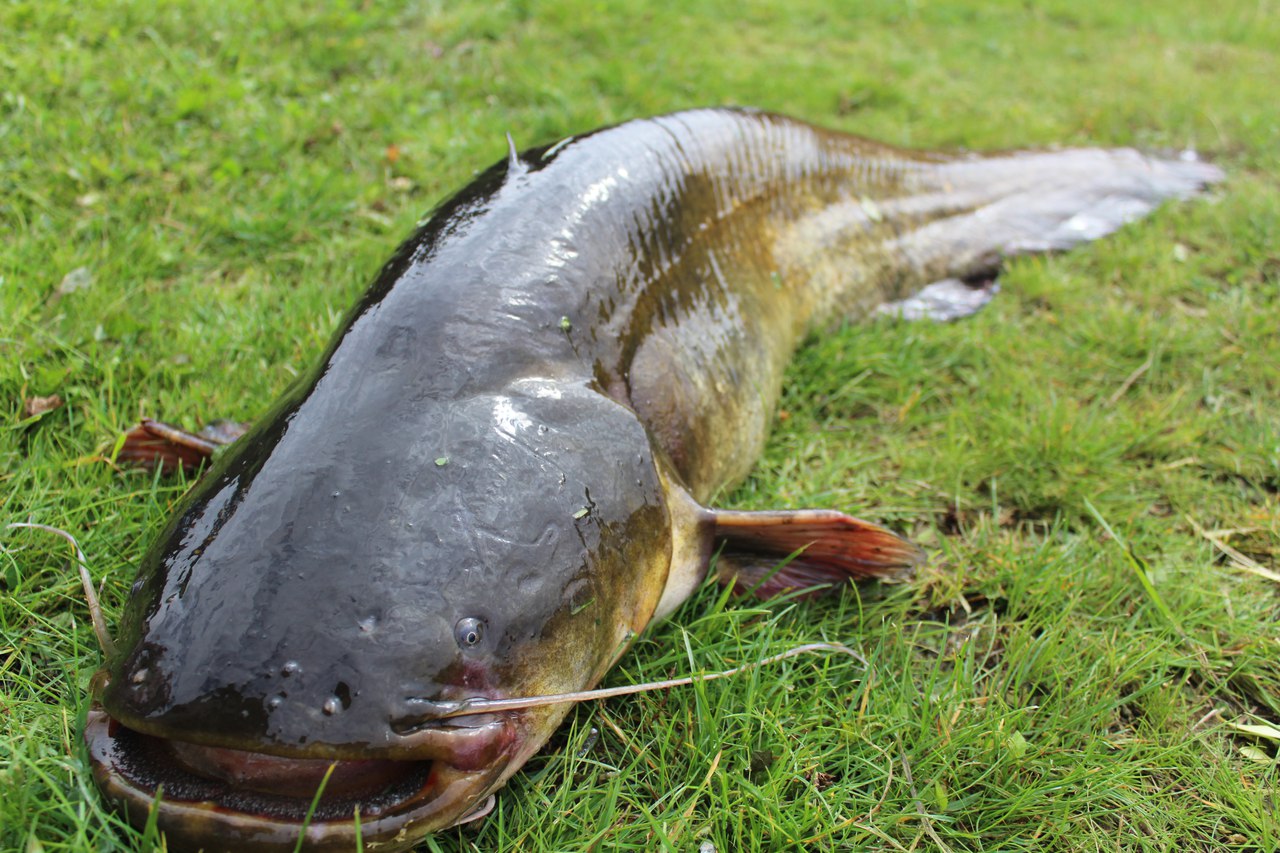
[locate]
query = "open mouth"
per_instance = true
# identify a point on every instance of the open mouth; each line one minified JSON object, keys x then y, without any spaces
{"x":214,"y":798}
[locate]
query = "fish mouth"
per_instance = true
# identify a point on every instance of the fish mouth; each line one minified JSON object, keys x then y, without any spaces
{"x":215,"y":798}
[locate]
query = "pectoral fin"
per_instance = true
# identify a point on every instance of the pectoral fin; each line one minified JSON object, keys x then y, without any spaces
{"x":767,"y":553}
{"x":153,"y":444}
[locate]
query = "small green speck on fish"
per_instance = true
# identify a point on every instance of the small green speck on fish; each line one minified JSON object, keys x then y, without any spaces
{"x":442,"y":461}
{"x":582,"y":513}
{"x":565,"y":324}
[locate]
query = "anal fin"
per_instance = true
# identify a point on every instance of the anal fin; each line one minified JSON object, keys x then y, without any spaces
{"x":767,"y":553}
{"x":944,"y":301}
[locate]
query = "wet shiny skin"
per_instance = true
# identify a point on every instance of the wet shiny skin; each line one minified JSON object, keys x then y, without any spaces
{"x":489,"y":441}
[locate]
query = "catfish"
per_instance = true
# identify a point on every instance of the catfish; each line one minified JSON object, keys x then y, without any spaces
{"x":498,"y":472}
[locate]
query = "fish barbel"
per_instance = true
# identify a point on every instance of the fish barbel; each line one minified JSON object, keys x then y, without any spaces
{"x":497,"y":474}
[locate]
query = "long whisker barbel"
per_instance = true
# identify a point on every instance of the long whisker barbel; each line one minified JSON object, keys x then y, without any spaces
{"x":95,"y":609}
{"x":485,"y":706}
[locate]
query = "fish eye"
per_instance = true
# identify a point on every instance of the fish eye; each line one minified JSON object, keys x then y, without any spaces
{"x":468,"y":632}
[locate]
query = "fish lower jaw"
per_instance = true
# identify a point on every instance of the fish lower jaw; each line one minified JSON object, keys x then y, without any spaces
{"x":218,"y":799}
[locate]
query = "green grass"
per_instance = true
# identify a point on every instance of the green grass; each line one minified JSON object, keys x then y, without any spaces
{"x":229,"y":175}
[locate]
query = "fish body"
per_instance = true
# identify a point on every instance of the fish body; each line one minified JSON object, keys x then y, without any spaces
{"x":496,"y":475}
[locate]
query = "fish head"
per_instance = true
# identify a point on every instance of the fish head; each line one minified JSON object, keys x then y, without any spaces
{"x":324,"y":599}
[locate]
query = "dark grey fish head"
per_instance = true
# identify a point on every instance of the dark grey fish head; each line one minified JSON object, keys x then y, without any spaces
{"x":447,"y":508}
{"x":324,"y":595}
{"x":317,"y":597}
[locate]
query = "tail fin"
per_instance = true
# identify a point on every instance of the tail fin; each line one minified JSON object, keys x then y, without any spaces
{"x":988,"y":208}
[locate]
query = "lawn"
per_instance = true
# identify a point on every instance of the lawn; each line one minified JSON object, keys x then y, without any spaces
{"x":191,"y":194}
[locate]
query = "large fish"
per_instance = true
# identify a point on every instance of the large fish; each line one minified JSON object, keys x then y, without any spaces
{"x":496,"y":476}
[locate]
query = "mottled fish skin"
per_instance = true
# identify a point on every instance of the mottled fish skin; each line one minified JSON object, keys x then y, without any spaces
{"x":493,"y":478}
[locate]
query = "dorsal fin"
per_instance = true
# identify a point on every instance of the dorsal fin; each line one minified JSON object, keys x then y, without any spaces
{"x":515,"y":166}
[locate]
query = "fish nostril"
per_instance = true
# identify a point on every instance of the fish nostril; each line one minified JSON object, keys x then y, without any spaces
{"x":343,"y":692}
